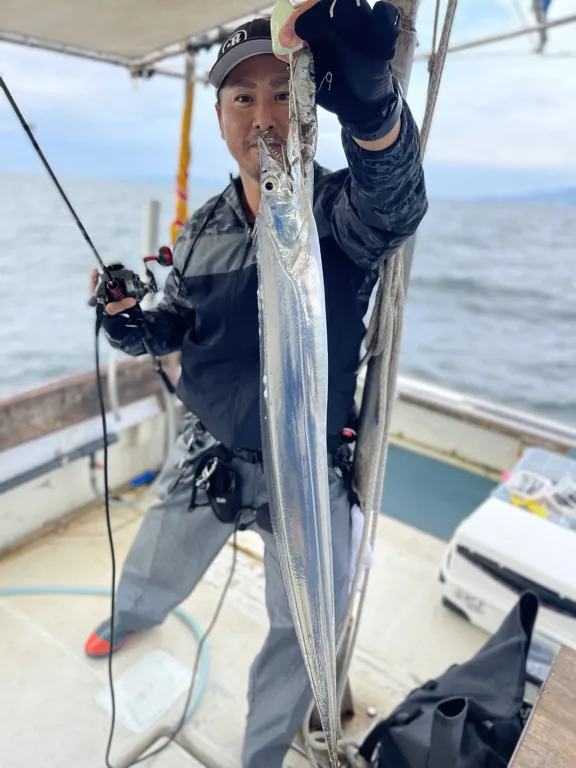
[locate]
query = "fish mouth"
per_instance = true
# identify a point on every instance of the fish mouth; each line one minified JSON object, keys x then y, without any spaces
{"x":275,"y":147}
{"x":270,"y":137}
{"x":272,"y":153}
{"x":270,"y":145}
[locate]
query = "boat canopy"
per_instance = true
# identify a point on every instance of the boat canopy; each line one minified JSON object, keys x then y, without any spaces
{"x":132,"y":33}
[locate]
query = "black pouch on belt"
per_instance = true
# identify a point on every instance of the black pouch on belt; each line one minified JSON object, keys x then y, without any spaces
{"x":221,"y":484}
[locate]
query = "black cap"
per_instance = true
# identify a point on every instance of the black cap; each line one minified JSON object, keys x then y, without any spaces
{"x":250,"y":39}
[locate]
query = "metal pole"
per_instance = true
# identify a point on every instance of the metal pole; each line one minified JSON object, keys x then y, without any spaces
{"x":149,"y":242}
{"x":165,"y":732}
{"x":151,"y":228}
{"x":402,"y":63}
{"x":500,"y":38}
{"x":402,"y":68}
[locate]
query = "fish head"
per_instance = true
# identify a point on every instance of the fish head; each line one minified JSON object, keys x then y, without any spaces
{"x":287,"y":177}
{"x":282,"y":198}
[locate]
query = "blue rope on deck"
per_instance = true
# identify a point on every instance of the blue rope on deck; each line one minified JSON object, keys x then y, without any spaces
{"x":103,"y":592}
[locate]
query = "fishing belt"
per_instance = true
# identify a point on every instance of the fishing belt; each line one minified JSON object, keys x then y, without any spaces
{"x":213,"y":473}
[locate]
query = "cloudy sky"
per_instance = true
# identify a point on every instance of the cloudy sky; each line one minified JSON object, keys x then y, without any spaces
{"x":504,"y":120}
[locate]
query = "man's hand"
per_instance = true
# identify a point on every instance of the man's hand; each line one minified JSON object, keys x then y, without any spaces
{"x":352,"y":53}
{"x":113,"y":307}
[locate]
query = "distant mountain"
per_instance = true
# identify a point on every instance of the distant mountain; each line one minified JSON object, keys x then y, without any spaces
{"x":565,"y":196}
{"x":477,"y":183}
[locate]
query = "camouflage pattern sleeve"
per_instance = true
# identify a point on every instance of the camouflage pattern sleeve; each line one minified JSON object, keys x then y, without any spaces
{"x":166,"y":323}
{"x":381,"y":199}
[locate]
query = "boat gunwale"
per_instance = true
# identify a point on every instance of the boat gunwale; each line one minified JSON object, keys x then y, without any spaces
{"x":71,"y":399}
{"x":523,"y":425}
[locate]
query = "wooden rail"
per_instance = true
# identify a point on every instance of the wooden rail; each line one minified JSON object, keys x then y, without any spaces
{"x":37,"y":412}
{"x":549,"y":740}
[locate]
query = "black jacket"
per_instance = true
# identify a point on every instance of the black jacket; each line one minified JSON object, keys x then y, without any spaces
{"x":209,"y":308}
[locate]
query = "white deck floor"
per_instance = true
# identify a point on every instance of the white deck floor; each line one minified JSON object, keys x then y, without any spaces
{"x":49,"y":713}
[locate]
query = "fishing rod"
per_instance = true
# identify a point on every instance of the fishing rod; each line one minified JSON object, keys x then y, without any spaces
{"x":30,"y":135}
{"x":115,"y":283}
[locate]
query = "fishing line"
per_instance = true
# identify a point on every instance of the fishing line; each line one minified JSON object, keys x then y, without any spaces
{"x":138,"y":316}
{"x":99,"y":318}
{"x":223,"y":594}
{"x":30,"y":135}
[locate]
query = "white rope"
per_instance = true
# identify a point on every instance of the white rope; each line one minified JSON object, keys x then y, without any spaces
{"x":435,"y":30}
{"x":382,"y":339}
{"x":436,"y":69}
{"x":391,"y":274}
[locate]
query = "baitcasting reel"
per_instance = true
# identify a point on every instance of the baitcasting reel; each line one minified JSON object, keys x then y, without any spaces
{"x":118,"y":282}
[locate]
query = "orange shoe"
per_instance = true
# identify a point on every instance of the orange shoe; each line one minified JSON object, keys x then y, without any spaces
{"x":98,"y":644}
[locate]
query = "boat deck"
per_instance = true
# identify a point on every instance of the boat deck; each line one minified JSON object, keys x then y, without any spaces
{"x":53,"y":704}
{"x":549,"y":738}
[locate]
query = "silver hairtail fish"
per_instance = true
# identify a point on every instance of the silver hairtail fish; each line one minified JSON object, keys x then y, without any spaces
{"x":294,"y":364}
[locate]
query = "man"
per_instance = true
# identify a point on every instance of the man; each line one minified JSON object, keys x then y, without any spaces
{"x":209,"y":311}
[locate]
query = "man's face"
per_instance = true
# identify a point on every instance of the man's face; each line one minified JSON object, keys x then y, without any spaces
{"x":254,"y":101}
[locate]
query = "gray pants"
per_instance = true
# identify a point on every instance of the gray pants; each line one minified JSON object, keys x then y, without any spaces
{"x":169,"y":556}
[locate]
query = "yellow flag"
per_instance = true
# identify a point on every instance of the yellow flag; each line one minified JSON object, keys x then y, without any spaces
{"x":183,"y":162}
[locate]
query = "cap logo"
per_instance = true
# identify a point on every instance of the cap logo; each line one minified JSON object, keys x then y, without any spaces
{"x":237,"y":37}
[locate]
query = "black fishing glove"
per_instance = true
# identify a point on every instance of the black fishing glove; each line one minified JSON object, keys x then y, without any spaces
{"x":352,"y":53}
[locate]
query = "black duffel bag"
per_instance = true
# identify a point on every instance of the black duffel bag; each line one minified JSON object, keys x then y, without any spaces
{"x":472,"y":716}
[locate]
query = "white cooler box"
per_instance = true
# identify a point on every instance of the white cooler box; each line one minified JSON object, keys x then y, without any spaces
{"x":499,"y":551}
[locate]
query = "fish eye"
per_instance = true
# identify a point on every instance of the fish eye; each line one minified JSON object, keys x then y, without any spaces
{"x":270,"y":186}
